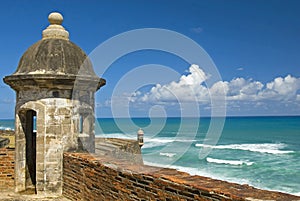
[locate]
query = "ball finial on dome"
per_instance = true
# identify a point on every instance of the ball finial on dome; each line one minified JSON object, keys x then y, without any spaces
{"x":55,"y":29}
{"x":55,"y":18}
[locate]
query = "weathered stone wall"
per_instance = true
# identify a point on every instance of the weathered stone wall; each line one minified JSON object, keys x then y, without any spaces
{"x":91,"y":177}
{"x":7,"y":162}
{"x":53,"y":118}
{"x":62,"y":124}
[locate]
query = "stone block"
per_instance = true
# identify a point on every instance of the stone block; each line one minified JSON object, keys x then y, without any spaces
{"x":51,"y":110}
{"x":66,"y":129}
{"x":66,"y":120}
{"x":63,"y":111}
{"x":53,"y":129}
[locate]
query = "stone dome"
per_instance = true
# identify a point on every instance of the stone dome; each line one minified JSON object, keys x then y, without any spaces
{"x":54,"y":57}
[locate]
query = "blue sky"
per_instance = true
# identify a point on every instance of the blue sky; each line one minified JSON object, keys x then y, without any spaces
{"x":254,"y":45}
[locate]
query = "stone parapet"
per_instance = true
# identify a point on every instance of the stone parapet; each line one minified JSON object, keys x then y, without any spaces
{"x":94,"y":177}
{"x":120,"y":149}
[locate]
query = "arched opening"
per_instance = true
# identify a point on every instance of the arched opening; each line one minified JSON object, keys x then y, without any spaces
{"x":86,"y":138}
{"x":80,"y":123}
{"x":30,"y":137}
{"x":85,"y":123}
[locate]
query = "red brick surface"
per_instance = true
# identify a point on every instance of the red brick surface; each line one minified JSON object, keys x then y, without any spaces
{"x":91,"y":177}
{"x":7,"y":162}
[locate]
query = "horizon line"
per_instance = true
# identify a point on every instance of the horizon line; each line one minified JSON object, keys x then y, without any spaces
{"x":205,"y":116}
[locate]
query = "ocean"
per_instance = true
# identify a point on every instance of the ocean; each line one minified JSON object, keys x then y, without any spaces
{"x":263,"y":152}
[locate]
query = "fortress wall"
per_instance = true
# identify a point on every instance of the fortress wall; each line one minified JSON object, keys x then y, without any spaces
{"x":94,"y":177}
{"x":7,"y":162}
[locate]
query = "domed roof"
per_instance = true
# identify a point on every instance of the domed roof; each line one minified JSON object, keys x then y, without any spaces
{"x":54,"y":56}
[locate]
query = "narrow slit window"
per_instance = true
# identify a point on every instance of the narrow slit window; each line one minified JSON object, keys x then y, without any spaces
{"x":34,"y":123}
{"x":80,"y":124}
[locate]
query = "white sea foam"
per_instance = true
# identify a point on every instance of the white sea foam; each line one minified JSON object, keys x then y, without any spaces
{"x":185,"y":140}
{"x":163,"y":141}
{"x":230,"y":162}
{"x":148,"y":142}
{"x":297,"y":194}
{"x":116,"y":135}
{"x":190,"y":170}
{"x":199,"y":171}
{"x":156,"y":142}
{"x":262,"y":148}
{"x":170,"y":155}
{"x":6,"y":128}
{"x":207,"y":173}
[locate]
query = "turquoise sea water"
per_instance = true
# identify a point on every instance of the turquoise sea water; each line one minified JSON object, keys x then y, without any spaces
{"x":263,"y":152}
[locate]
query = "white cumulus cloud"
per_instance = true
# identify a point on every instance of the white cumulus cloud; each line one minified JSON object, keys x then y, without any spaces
{"x":188,"y":88}
{"x":240,"y":89}
{"x":191,"y":87}
{"x":243,"y":96}
{"x":282,"y":88}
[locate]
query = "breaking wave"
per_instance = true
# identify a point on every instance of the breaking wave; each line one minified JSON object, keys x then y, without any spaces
{"x":162,"y":141}
{"x":170,"y":155}
{"x":229,"y":162}
{"x":6,"y":128}
{"x":116,"y":135}
{"x":268,"y":148}
{"x":156,"y":142}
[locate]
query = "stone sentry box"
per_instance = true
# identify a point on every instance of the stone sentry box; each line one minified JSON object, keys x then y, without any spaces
{"x":55,"y":85}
